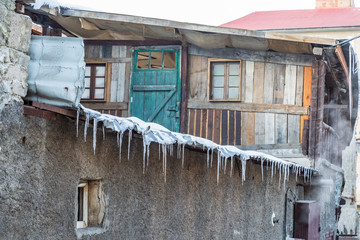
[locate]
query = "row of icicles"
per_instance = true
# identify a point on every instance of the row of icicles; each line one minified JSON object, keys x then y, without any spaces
{"x":282,"y":167}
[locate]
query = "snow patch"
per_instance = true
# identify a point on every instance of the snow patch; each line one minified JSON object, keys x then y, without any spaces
{"x":152,"y":132}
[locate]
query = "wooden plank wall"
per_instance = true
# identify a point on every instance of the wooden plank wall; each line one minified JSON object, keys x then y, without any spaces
{"x":120,"y":60}
{"x":262,"y":83}
{"x":119,"y":57}
{"x":114,"y":112}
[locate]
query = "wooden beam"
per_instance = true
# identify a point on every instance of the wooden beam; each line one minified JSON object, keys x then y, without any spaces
{"x":132,"y":42}
{"x":107,"y":105}
{"x":332,"y":106}
{"x":62,"y":111}
{"x":184,"y":89}
{"x":342,"y":60}
{"x":39,"y":113}
{"x":250,"y":107}
{"x":108,"y":60}
{"x":252,"y":55}
{"x":316,"y":110}
{"x":305,"y":137}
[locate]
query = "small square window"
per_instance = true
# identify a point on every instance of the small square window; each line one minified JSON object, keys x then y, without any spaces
{"x":90,"y":204}
{"x":225,"y":80}
{"x":95,"y":82}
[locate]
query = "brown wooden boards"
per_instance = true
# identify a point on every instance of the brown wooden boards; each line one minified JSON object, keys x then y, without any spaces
{"x":280,"y":128}
{"x":258,"y":86}
{"x":279,"y":79}
{"x":260,"y":128}
{"x":248,"y":128}
{"x":249,"y":81}
{"x":198,"y":77}
{"x":269,"y":128}
{"x":269,"y":83}
{"x":290,"y":85}
{"x":306,"y":97}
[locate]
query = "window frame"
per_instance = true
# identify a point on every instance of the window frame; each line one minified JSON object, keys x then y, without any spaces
{"x":85,"y":208}
{"x":163,"y":52}
{"x":226,"y":79}
{"x":107,"y":82}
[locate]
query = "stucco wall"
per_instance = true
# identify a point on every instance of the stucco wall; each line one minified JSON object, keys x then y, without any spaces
{"x":43,"y":162}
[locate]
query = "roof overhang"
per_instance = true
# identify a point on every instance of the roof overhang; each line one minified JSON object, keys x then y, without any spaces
{"x":92,"y":25}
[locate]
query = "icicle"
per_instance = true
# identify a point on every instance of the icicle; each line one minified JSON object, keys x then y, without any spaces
{"x":212,"y":157}
{"x":144,"y":154}
{"x":225,"y":160}
{"x":86,"y":125}
{"x":178,"y":151}
{"x":218,"y":167}
{"x":77,"y":122}
{"x":288,"y":173}
{"x":171,"y":149}
{"x":120,"y":144}
{"x":232,"y":166}
{"x":103,"y":128}
{"x":148,"y":153}
{"x":272,"y":171}
{"x":280,"y":175}
{"x":243,"y":168}
{"x":262,"y":169}
{"x":94,"y":133}
{"x":285,"y":176}
{"x":163,"y":153}
{"x":164,"y":148}
{"x":129,"y":143}
{"x":165,"y":162}
{"x":159,"y":151}
{"x":207,"y":157}
{"x":183,"y":153}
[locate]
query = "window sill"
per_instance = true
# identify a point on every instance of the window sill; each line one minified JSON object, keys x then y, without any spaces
{"x":93,"y":101}
{"x":224,"y":100}
{"x":80,"y":232}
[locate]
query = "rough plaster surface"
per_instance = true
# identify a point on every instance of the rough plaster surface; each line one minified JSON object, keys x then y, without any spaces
{"x":42,"y":162}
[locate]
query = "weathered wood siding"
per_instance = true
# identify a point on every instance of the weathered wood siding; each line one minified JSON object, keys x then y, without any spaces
{"x":279,"y":88}
{"x":119,"y":60}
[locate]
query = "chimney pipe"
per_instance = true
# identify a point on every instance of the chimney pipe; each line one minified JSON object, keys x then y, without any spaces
{"x":334,"y":3}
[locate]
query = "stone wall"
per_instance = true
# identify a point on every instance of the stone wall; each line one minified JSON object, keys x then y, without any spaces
{"x":15,"y":33}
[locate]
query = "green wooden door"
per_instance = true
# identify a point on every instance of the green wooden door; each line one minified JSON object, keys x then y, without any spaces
{"x":155,"y":87}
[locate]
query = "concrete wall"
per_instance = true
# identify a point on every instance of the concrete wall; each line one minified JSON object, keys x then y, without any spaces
{"x":43,"y":161}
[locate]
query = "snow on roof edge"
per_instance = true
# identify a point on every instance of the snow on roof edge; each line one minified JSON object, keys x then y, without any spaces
{"x":152,"y":132}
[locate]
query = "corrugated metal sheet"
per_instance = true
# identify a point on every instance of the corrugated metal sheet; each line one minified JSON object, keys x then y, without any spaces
{"x":56,"y":70}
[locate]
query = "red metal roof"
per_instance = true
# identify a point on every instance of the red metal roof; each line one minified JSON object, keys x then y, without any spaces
{"x":295,"y":19}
